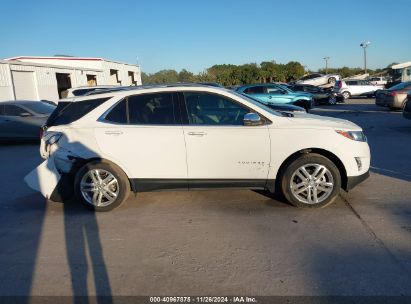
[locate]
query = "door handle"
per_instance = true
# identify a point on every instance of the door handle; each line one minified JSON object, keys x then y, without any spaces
{"x":113,"y":132}
{"x":197,"y":133}
{"x":270,"y":96}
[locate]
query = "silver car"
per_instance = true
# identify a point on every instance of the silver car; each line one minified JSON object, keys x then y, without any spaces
{"x":22,"y":120}
{"x":394,"y":97}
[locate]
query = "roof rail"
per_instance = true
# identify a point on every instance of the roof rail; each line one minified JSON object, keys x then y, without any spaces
{"x":148,"y":86}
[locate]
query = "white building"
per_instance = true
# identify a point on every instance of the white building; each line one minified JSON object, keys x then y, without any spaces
{"x":36,"y":78}
{"x":402,"y":71}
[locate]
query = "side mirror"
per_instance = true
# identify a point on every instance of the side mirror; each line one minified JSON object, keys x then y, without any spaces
{"x":25,"y":114}
{"x":252,"y":119}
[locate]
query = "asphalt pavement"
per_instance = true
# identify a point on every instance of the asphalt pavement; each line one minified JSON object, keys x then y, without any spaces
{"x":223,"y":242}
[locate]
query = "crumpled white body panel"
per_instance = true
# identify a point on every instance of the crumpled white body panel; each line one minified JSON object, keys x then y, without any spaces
{"x":44,"y":178}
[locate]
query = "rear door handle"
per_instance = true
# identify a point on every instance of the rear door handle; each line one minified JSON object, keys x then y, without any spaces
{"x":113,"y":132}
{"x":197,"y":133}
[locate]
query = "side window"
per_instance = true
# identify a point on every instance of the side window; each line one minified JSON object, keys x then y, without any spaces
{"x":210,"y":109}
{"x":151,"y":109}
{"x":10,"y":110}
{"x":119,"y":113}
{"x":274,"y":90}
{"x":254,"y":90}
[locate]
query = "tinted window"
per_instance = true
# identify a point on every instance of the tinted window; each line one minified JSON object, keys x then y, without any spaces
{"x":351,"y":82}
{"x":254,"y":90}
{"x":118,"y":113}
{"x":67,"y":112}
{"x":274,"y":90}
{"x":10,"y":110}
{"x":401,"y":86}
{"x":40,"y":107}
{"x":210,"y":109}
{"x":151,"y":109}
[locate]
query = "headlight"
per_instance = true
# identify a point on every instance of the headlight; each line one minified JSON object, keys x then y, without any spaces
{"x":353,"y":135}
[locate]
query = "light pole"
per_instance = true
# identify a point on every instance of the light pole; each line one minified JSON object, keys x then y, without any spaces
{"x":326,"y":64}
{"x":364,"y":45}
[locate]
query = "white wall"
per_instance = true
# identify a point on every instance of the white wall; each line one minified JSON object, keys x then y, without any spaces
{"x":46,"y":82}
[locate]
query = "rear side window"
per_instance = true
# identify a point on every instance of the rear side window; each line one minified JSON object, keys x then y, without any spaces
{"x":254,"y":90}
{"x":68,"y":112}
{"x":11,"y":110}
{"x":145,"y":109}
{"x":151,"y":109}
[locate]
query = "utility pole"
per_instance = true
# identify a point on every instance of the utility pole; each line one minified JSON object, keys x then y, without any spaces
{"x":364,"y":45}
{"x":326,"y":64}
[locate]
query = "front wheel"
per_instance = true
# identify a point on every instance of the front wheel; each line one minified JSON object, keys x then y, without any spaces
{"x":101,"y":186}
{"x":311,"y":181}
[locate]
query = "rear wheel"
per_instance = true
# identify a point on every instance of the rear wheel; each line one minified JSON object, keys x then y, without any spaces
{"x":101,"y":186}
{"x":311,"y":181}
{"x":346,"y":95}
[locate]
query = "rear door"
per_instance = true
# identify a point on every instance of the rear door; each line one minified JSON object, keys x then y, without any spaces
{"x":220,"y":149}
{"x":144,"y":133}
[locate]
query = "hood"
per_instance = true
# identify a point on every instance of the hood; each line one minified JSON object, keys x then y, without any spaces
{"x":310,"y":121}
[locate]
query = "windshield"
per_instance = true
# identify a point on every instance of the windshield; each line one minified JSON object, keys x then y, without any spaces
{"x":400,"y":86}
{"x":258,"y":103}
{"x":39,"y":107}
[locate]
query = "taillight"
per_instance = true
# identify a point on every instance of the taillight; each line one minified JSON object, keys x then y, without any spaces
{"x":393,"y":94}
{"x":41,"y":133}
{"x":339,"y":84}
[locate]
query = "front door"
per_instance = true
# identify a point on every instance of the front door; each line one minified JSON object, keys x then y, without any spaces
{"x":144,"y":134}
{"x":220,"y":149}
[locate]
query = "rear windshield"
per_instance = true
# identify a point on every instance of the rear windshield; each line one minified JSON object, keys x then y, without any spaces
{"x":68,"y":112}
{"x":401,"y":86}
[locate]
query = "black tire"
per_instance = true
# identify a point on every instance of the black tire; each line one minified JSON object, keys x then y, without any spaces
{"x":332,"y":80}
{"x":332,"y":100}
{"x":304,"y":104}
{"x":308,"y":159}
{"x":123,"y":184}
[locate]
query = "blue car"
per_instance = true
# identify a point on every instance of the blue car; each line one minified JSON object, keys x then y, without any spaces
{"x":271,"y":93}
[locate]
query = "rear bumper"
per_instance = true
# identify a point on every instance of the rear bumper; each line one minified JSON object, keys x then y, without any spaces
{"x":353,"y":181}
{"x":44,"y":178}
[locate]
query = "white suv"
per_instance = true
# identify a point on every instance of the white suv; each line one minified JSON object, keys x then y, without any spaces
{"x":189,"y":137}
{"x":353,"y":87}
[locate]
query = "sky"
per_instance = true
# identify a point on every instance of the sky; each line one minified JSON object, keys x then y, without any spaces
{"x":195,"y":34}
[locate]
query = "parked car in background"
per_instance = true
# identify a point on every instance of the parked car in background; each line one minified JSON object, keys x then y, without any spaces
{"x":270,"y":93}
{"x":22,"y":120}
{"x":378,"y":81}
{"x":406,"y":112}
{"x":320,"y":95}
{"x":280,"y":107}
{"x":194,"y":137}
{"x":355,"y":87}
{"x":319,"y":79}
{"x":394,"y":97}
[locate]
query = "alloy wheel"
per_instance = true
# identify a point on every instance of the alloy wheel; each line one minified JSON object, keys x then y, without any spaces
{"x":99,"y":187}
{"x":312,"y":184}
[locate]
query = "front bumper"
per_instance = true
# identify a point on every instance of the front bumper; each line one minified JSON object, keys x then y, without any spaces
{"x":353,"y":181}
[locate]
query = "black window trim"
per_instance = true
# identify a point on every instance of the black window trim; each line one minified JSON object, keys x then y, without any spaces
{"x":174,"y":100}
{"x":184,"y":110}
